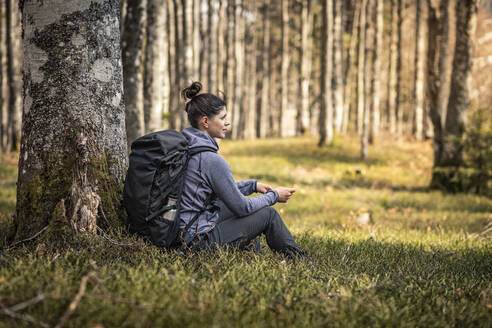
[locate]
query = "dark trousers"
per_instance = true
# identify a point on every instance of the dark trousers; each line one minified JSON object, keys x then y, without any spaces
{"x":243,"y":232}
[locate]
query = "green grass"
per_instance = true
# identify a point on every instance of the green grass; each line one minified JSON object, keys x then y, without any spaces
{"x":424,"y":260}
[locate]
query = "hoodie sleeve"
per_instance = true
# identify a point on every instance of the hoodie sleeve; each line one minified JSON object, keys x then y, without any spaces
{"x":219,"y":176}
{"x":246,"y":187}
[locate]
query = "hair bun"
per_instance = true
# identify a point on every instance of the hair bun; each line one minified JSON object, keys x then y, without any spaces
{"x":192,"y":90}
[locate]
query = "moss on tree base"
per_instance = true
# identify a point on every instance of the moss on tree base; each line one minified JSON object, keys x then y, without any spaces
{"x":458,"y":179}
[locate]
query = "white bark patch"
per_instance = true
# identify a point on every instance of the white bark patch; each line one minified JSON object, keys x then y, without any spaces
{"x":37,"y":58}
{"x":27,"y":104}
{"x":116,"y":99}
{"x":102,"y":70}
{"x":78,"y":40}
{"x":50,"y":11}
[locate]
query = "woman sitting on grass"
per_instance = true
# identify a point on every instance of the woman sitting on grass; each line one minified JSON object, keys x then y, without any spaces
{"x":233,"y":219}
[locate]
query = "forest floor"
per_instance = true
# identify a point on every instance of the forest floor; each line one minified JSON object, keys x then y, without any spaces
{"x":385,"y":252}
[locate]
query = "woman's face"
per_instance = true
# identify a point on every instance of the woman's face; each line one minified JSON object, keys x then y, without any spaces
{"x":216,"y":126}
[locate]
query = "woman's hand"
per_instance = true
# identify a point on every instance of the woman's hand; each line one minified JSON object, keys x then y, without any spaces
{"x":262,"y":188}
{"x":284,"y":194}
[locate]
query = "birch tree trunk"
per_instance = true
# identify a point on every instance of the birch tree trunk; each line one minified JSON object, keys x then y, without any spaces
{"x":250,"y":55}
{"x":180,"y":63}
{"x":264,"y":111}
{"x":349,"y":71}
{"x":190,"y":72}
{"x":338,"y":65}
{"x":73,"y":151}
{"x":13,"y":81}
{"x":418,"y":87}
{"x":399,"y":51}
{"x":376,"y":72}
{"x":205,"y":45}
{"x":132,"y":42}
{"x":361,"y":62}
{"x":220,"y":46}
{"x":367,"y":78}
{"x":284,"y":79}
{"x":231,"y":56}
{"x":392,"y":64}
{"x":173,"y":62}
{"x":212,"y":59}
{"x":326,"y":104}
{"x":238,"y":110}
{"x":156,"y":79}
{"x":305,"y":61}
{"x":196,"y":40}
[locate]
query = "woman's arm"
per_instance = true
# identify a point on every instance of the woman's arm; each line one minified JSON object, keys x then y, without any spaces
{"x":246,"y":187}
{"x":219,"y":176}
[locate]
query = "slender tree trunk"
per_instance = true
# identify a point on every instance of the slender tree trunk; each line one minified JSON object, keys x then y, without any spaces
{"x":13,"y":126}
{"x":220,"y":46}
{"x":399,"y":51}
{"x":181,"y":82}
{"x":238,"y":110}
{"x":466,"y":21}
{"x":376,"y":72}
{"x":338,"y":65}
{"x":360,"y":68}
{"x":190,"y":72}
{"x":3,"y":103}
{"x":73,"y":149}
{"x":349,"y":71}
{"x":196,"y":40}
{"x":205,"y":46}
{"x":264,"y":112}
{"x":418,"y":88}
{"x":367,"y":79}
{"x":231,"y":56}
{"x":173,"y":63}
{"x":156,"y":80}
{"x":326,"y":108}
{"x":284,"y":79}
{"x":391,"y":85}
{"x":212,"y":59}
{"x":250,"y":96}
{"x":444,"y":65}
{"x":133,"y":35}
{"x":305,"y":61}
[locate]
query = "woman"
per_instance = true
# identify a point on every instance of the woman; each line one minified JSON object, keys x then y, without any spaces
{"x":233,"y":219}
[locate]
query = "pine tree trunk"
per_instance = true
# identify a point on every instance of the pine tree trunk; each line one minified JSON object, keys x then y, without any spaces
{"x":391,"y":85}
{"x":132,"y":42}
{"x":444,"y":65}
{"x":3,"y":103}
{"x":376,"y":72}
{"x":367,"y":79}
{"x":360,"y":68}
{"x":349,"y":68}
{"x":305,"y":61}
{"x":156,"y":81}
{"x":180,"y":63}
{"x":196,"y":40}
{"x":338,"y":66}
{"x":250,"y":96}
{"x":205,"y":46}
{"x":418,"y":87}
{"x":264,"y":112}
{"x":326,"y":105}
{"x":73,"y":150}
{"x":284,"y":70}
{"x":190,"y":72}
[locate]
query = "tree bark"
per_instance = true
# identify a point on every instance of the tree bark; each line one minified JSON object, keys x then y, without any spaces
{"x":180,"y":62}
{"x":220,"y":46}
{"x":392,"y":64}
{"x":231,"y":56}
{"x":349,"y":74}
{"x":326,"y":104}
{"x":367,"y":79}
{"x":361,"y":62}
{"x":250,"y":55}
{"x":73,"y":151}
{"x":173,"y":64}
{"x":156,"y":78}
{"x":196,"y":40}
{"x":264,"y":111}
{"x":212,"y":56}
{"x":3,"y":106}
{"x":399,"y":51}
{"x":14,"y":106}
{"x":305,"y":61}
{"x":133,"y":35}
{"x":466,"y":21}
{"x":418,"y":88}
{"x":338,"y":66}
{"x":284,"y":70}
{"x":238,"y":111}
{"x":376,"y":72}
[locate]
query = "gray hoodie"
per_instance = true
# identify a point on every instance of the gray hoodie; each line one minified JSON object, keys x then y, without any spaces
{"x":208,"y":173}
